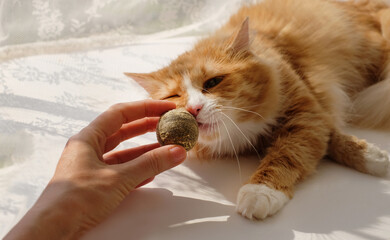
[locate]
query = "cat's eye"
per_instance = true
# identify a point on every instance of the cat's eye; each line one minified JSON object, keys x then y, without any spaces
{"x":172,"y":96}
{"x":212,"y":82}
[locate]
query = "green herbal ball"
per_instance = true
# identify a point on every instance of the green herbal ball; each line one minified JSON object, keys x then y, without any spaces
{"x":179,"y":127}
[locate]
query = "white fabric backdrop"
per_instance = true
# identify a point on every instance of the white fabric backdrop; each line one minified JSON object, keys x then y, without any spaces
{"x":80,"y":25}
{"x":43,"y":20}
{"x":44,"y":99}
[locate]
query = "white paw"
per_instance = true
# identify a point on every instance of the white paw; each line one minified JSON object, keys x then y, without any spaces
{"x":257,"y":201}
{"x":377,"y":161}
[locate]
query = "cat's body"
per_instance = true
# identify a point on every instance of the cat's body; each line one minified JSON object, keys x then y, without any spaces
{"x":300,"y":71}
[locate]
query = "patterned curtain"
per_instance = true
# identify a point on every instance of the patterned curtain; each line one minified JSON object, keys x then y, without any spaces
{"x":25,"y":21}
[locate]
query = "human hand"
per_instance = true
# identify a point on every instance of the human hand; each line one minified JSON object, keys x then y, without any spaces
{"x":91,"y":180}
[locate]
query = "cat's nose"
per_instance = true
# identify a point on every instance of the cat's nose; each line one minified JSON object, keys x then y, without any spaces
{"x":194,"y":110}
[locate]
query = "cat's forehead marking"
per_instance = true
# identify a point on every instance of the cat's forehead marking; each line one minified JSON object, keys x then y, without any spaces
{"x":195,"y":96}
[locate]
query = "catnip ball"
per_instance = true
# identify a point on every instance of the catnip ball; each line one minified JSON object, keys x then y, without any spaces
{"x":178,"y":127}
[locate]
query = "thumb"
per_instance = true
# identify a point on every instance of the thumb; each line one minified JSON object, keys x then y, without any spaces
{"x":153,"y":163}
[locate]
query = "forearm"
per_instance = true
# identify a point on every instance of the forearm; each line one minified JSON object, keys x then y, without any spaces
{"x":54,"y":216}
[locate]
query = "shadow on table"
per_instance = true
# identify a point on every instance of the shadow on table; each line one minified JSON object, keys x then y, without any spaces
{"x":157,"y":214}
{"x":333,"y":203}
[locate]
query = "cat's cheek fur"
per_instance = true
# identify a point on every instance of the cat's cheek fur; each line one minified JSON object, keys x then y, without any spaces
{"x":258,"y":201}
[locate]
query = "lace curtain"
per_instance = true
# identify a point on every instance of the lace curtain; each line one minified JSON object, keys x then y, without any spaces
{"x":26,"y":21}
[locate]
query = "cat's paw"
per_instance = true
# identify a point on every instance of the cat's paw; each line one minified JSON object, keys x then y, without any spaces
{"x":376,"y":160}
{"x":257,"y":201}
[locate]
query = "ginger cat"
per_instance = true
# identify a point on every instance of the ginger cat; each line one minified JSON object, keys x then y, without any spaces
{"x":284,"y":76}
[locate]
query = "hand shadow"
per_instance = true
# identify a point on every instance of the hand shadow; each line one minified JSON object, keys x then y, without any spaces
{"x":157,"y":214}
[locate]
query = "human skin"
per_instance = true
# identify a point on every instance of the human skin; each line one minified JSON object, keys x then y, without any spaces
{"x":91,"y":180}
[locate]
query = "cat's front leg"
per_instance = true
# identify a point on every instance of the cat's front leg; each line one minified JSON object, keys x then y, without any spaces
{"x":300,"y":144}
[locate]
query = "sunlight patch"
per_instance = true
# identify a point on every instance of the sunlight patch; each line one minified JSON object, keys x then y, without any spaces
{"x":201,"y":220}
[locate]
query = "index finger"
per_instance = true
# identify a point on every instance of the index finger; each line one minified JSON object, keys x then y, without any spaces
{"x":112,"y":120}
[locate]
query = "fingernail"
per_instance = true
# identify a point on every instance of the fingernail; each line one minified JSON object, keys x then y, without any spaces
{"x":178,"y":154}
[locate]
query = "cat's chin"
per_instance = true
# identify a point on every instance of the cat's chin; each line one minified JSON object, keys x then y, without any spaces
{"x":205,"y":127}
{"x":208,"y":133}
{"x":202,"y":151}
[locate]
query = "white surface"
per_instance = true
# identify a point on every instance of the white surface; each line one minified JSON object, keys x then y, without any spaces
{"x":48,"y":98}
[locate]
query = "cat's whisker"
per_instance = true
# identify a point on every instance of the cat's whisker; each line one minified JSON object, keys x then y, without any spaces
{"x":215,"y":127}
{"x":240,"y":109}
{"x":246,"y":107}
{"x":234,"y":150}
{"x":246,"y":138}
{"x":212,"y":126}
{"x":219,"y":140}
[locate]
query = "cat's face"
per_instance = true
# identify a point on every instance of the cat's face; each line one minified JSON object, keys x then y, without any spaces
{"x":232,"y":93}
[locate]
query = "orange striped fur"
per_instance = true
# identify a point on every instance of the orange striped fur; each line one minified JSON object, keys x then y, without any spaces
{"x":294,"y":74}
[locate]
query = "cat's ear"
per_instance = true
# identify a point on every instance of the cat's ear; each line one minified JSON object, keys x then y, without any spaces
{"x":241,"y":39}
{"x":146,"y":80}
